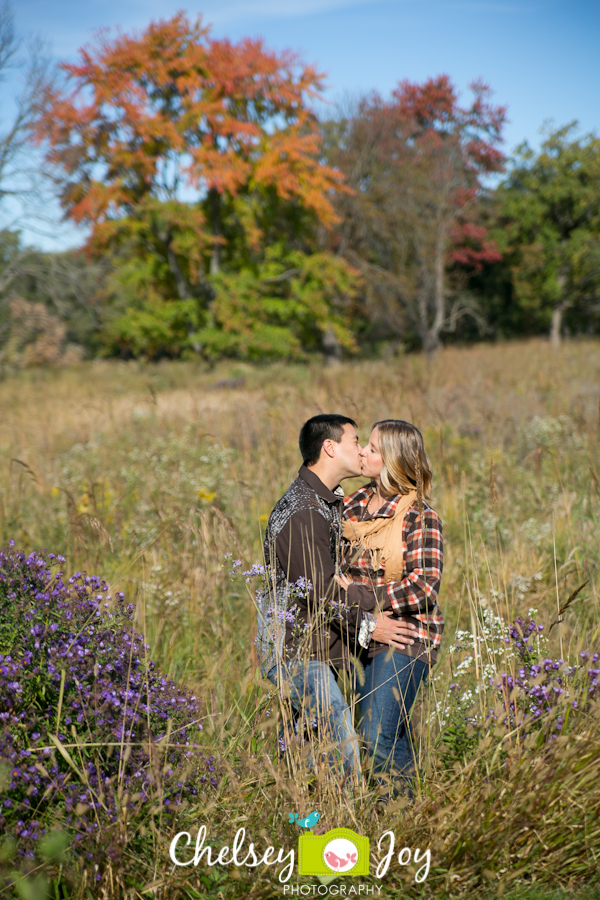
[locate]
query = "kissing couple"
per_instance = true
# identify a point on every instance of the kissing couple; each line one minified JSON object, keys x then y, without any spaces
{"x":352,"y":585}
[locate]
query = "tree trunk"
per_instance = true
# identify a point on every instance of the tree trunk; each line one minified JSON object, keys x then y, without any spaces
{"x":180,"y":281}
{"x":555,"y":327}
{"x":331,"y":346}
{"x":431,"y":344}
{"x":214,"y":205}
{"x":557,"y":315}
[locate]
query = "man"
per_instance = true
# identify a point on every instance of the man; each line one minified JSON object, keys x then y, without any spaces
{"x":300,"y":629}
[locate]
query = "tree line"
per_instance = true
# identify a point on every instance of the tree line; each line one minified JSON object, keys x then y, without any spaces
{"x":227,"y":219}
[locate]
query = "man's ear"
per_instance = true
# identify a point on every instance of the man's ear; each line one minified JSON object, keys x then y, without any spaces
{"x":328,"y":448}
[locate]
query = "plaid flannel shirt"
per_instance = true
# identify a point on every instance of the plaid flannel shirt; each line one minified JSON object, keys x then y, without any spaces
{"x":414,"y":597}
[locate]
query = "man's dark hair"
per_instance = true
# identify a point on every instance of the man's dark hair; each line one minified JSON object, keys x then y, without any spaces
{"x":326,"y":427}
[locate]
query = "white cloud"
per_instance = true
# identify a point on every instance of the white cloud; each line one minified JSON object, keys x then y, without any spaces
{"x":491,"y":6}
{"x":68,"y":24}
{"x":224,"y":12}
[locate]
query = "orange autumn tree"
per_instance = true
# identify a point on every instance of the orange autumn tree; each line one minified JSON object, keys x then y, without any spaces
{"x":190,"y":157}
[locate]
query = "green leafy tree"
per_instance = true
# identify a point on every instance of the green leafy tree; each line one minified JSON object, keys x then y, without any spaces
{"x":549,"y":227}
{"x":291,"y":303}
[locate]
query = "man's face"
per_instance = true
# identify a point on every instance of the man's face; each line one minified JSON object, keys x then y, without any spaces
{"x":347,"y":453}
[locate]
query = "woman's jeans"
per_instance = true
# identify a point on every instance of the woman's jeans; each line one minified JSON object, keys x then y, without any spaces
{"x":386,"y":697}
{"x":314,"y":689}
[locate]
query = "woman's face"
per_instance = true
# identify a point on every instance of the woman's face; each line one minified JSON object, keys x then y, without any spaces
{"x":371,"y":462}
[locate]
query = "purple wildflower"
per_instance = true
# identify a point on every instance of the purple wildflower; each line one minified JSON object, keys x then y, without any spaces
{"x":90,"y":655}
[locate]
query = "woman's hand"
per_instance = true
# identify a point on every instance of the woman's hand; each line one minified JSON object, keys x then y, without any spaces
{"x":343,"y":581}
{"x":391,"y":631}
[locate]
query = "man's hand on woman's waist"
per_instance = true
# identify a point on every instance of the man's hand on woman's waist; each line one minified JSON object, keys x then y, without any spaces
{"x":389,"y":629}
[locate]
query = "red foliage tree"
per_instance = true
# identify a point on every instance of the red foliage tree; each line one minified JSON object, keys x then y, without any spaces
{"x":418,"y":164}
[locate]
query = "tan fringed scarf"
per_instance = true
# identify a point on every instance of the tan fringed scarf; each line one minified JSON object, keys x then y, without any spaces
{"x":382,"y":536}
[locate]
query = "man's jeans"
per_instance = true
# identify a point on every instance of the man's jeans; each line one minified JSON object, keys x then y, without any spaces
{"x":314,"y":689}
{"x":386,"y":697}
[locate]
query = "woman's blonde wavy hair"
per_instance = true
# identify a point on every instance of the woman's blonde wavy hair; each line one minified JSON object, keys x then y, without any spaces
{"x":406,"y":466}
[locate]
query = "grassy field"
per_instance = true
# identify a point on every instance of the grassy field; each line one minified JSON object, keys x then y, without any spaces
{"x":149,"y":475}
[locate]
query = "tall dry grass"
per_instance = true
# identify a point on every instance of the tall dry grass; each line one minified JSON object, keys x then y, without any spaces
{"x":148,"y":475}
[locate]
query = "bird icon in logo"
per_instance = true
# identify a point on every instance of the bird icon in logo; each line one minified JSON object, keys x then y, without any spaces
{"x":309,"y":822}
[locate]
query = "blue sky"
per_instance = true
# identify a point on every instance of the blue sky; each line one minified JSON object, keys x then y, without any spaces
{"x":541,"y":57}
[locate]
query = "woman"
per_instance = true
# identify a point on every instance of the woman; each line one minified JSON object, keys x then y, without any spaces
{"x":394,"y":545}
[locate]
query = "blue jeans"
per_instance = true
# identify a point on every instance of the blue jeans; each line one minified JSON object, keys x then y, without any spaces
{"x":386,"y":697}
{"x":313,"y":688}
